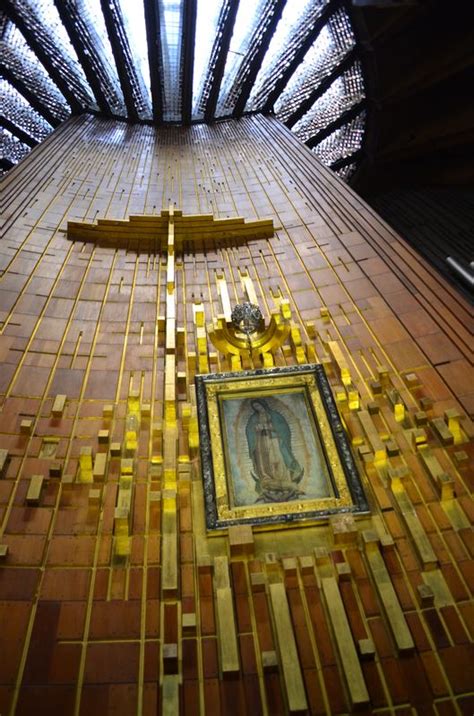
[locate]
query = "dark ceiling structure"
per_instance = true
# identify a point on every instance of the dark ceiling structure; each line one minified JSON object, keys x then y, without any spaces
{"x":183,"y":61}
{"x":418,"y":171}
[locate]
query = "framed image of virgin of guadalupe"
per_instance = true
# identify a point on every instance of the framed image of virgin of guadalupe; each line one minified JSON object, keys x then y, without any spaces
{"x":273,"y":448}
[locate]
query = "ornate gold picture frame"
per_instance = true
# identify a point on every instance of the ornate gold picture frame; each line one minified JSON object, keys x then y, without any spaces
{"x":273,"y":448}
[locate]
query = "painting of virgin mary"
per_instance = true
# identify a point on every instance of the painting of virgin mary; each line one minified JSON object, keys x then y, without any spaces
{"x":276,"y":471}
{"x":274,"y":449}
{"x":273,"y":453}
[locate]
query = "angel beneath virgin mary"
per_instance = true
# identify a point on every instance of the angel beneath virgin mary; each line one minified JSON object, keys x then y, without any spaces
{"x":275,"y":470}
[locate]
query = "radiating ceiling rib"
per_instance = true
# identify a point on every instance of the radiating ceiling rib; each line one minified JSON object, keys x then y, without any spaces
{"x":171,"y":31}
{"x":296,"y":21}
{"x":17,"y":131}
{"x":346,"y":161}
{"x":188,"y":37}
{"x":332,"y":44}
{"x":251,"y":26}
{"x":153,"y":36}
{"x":16,"y":79}
{"x":342,"y":142}
{"x":346,"y":172}
{"x":57,"y":62}
{"x":131,"y":81}
{"x":21,"y":68}
{"x":252,"y":63}
{"x":346,"y":91}
{"x":312,"y":24}
{"x":89,"y":48}
{"x":211,"y":84}
{"x":17,"y":110}
{"x":321,"y":88}
{"x":12,"y":149}
{"x":298,"y":58}
{"x":5,"y":164}
{"x":343,"y":119}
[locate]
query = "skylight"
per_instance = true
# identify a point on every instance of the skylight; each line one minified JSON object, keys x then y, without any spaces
{"x":134,"y":18}
{"x":297,"y":57}
{"x":208,"y":12}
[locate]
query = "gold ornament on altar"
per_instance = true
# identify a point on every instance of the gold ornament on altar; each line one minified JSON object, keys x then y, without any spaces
{"x":247,"y":318}
{"x":246,"y":335}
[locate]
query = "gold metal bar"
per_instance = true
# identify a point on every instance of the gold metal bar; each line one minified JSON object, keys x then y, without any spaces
{"x":435,"y":580}
{"x":441,"y":480}
{"x":455,"y":514}
{"x":170,"y":695}
{"x":3,"y":461}
{"x":228,"y":645}
{"x":422,"y":544}
{"x":100,"y":464}
{"x":34,"y":489}
{"x":169,"y":570}
{"x":345,"y":644}
{"x":378,"y":448}
{"x":225,"y":300}
{"x":288,"y":653}
{"x":387,"y":594}
{"x":338,"y":356}
{"x":249,"y":288}
{"x":85,"y":464}
{"x":442,"y":431}
{"x":58,"y":406}
{"x":170,"y":342}
{"x":453,"y":416}
{"x":170,"y":306}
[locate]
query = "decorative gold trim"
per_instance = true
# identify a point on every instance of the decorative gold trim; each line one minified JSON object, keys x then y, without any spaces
{"x":229,"y":341}
{"x":138,"y":231}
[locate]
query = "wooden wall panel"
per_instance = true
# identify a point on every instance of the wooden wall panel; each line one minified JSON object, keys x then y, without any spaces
{"x":112,"y":597}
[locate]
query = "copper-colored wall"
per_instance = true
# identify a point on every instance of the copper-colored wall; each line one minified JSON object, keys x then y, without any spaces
{"x":83,"y":631}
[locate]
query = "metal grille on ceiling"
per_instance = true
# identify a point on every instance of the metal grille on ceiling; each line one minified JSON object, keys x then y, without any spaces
{"x":182,"y":61}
